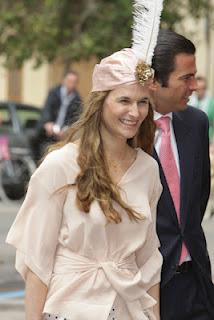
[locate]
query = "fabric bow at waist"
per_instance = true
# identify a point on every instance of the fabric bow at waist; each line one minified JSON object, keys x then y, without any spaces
{"x":124,"y":277}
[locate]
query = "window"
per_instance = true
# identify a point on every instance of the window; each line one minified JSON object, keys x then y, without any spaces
{"x":5,"y":118}
{"x":28,"y":117}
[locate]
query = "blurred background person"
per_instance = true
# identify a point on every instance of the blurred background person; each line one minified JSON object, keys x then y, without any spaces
{"x":202,"y":100}
{"x":62,"y":108}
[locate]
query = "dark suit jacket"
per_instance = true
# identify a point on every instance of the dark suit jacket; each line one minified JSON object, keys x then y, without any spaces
{"x":52,"y":106}
{"x":191,"y":133}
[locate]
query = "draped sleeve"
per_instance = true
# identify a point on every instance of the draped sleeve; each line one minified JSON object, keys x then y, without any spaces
{"x":35,"y":230}
{"x":148,"y":257}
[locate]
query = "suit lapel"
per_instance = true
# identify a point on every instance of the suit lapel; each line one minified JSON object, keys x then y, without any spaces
{"x":186,"y":153}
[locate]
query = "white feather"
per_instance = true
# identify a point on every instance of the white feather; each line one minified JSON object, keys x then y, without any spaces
{"x":146,"y":25}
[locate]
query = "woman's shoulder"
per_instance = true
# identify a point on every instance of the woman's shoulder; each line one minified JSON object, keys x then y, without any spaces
{"x":150,"y":172}
{"x":145,"y":168}
{"x":59,"y":163}
{"x":66,"y":155}
{"x":147,"y":160}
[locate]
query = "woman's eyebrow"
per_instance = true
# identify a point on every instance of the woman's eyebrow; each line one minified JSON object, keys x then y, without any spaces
{"x":124,"y":97}
{"x":129,"y":98}
{"x":144,"y":98}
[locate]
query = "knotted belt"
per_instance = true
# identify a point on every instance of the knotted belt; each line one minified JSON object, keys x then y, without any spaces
{"x":128,"y":285}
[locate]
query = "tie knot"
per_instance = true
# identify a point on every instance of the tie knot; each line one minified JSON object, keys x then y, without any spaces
{"x":164,"y":124}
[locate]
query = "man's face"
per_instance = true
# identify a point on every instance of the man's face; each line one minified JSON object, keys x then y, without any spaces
{"x":70,"y":82}
{"x":180,"y":86}
{"x":201,"y":89}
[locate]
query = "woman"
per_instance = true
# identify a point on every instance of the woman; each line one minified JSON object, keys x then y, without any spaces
{"x":85,"y":234}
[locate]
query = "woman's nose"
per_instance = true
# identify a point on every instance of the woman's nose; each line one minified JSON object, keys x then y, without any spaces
{"x":134,"y":110}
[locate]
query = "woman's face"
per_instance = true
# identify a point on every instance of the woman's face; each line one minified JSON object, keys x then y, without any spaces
{"x":124,"y":109}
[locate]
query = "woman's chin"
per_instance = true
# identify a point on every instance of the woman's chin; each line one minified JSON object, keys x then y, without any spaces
{"x":132,"y":132}
{"x":129,"y":135}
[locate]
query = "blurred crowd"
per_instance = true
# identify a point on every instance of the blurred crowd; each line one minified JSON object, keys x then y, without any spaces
{"x":204,"y":101}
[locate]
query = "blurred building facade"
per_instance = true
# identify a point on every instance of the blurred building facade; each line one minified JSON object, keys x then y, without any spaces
{"x":30,"y":85}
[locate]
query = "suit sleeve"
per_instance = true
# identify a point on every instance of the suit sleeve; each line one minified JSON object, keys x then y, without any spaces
{"x":47,"y":114}
{"x":206,"y":170}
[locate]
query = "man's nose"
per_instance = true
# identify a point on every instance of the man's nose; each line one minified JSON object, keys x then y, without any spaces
{"x":193,"y":84}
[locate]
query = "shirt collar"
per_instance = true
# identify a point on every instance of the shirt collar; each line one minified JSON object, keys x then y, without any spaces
{"x":158,"y":115}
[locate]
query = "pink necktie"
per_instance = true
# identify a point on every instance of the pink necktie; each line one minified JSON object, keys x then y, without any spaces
{"x":170,"y":169}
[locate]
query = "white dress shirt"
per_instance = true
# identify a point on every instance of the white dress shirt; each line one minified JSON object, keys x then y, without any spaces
{"x":172,"y":135}
{"x":157,"y":144}
{"x":66,"y":98}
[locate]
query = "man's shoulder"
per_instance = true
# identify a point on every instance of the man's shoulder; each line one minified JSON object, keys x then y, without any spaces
{"x":194,"y":119}
{"x":55,"y":90}
{"x":192,"y":114}
{"x":77,"y":96}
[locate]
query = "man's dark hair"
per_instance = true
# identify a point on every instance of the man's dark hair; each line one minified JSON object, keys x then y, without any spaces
{"x":169,"y":45}
{"x":70,"y":71}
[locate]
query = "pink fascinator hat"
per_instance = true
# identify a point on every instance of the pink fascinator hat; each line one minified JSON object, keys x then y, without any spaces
{"x":132,"y":65}
{"x":115,"y":70}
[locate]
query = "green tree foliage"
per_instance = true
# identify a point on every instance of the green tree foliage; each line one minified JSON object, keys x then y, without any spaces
{"x":72,"y":30}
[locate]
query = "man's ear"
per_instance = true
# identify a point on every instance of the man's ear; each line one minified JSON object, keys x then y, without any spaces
{"x":154,"y":84}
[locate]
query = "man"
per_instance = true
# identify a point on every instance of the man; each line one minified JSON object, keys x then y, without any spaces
{"x":203,"y":101}
{"x":62,"y":108}
{"x":182,"y":151}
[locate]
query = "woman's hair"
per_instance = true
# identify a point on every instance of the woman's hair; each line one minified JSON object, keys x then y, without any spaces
{"x":93,"y":181}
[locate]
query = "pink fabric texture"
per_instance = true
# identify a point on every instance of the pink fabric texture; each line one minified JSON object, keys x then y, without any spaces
{"x":4,"y":148}
{"x":115,"y":70}
{"x":170,"y":170}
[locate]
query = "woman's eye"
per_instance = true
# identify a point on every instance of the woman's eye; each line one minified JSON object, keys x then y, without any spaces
{"x":124,"y":101}
{"x":143,"y":102}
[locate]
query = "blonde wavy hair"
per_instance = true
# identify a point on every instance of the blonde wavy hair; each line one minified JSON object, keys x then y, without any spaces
{"x":93,"y":181}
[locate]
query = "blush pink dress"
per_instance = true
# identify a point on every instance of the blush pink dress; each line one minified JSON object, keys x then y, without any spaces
{"x":91,"y":267}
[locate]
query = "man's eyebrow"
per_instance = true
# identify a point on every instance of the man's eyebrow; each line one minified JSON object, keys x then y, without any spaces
{"x":187,"y":75}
